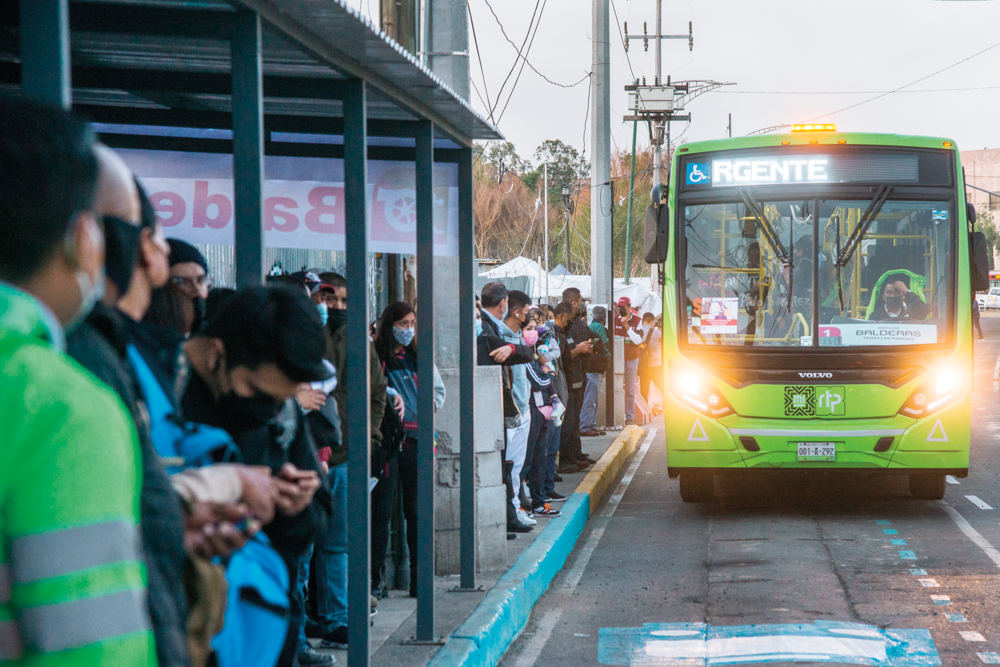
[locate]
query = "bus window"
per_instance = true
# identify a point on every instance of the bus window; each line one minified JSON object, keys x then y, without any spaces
{"x":898,"y":274}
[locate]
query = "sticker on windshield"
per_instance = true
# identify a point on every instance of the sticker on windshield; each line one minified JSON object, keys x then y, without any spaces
{"x":697,"y":173}
{"x":719,"y":315}
{"x":880,"y":333}
{"x":939,"y":215}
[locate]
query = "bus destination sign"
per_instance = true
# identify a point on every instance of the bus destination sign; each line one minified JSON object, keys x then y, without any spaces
{"x":733,"y":170}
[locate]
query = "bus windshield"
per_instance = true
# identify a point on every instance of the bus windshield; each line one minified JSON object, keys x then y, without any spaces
{"x":818,"y":272}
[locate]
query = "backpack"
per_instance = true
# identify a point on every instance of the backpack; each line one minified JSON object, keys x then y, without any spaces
{"x":257,"y":607}
{"x":600,"y":359}
{"x":184,"y":444}
{"x":393,"y":435}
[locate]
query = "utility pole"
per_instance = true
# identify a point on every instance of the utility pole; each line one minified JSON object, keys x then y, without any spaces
{"x":601,"y":204}
{"x":565,"y":203}
{"x":729,"y":128}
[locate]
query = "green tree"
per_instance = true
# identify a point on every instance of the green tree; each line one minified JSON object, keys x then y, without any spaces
{"x":502,"y":159}
{"x":566,"y":166}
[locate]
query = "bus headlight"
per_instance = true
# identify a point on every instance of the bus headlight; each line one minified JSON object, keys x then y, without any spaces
{"x":697,"y":394}
{"x":933,"y":396}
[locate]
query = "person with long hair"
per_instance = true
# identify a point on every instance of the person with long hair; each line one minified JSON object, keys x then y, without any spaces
{"x":396,"y":346}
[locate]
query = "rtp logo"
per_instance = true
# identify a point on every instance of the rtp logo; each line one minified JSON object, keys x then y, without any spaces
{"x":815,"y":401}
{"x":698,"y":173}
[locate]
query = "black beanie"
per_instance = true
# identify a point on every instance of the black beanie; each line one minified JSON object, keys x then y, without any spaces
{"x":182,"y":251}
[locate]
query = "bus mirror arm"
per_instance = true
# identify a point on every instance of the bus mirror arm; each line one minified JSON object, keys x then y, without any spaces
{"x":866,"y":221}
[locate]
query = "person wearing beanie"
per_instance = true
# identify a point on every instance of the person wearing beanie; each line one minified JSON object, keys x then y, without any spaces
{"x":181,"y":304}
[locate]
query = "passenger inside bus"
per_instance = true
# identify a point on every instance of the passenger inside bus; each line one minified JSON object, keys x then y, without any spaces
{"x":898,"y":301}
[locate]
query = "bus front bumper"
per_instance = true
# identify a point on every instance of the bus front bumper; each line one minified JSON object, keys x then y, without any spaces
{"x":936,"y":443}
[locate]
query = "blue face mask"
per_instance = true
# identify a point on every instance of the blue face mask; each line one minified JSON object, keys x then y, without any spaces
{"x":479,"y":328}
{"x":323,"y":314}
{"x":404,"y":336}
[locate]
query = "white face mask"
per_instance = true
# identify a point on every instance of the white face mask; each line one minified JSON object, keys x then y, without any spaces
{"x":90,"y":291}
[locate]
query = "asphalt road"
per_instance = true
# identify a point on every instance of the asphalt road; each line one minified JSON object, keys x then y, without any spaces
{"x":811,"y":564}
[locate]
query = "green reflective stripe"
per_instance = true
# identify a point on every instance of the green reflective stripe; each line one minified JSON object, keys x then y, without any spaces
{"x":58,"y":552}
{"x":4,"y":584}
{"x":58,"y":627}
{"x":10,"y":641}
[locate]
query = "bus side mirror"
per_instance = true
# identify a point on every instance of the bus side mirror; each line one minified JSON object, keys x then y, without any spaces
{"x":655,"y":239}
{"x":980,"y":262}
{"x":970,"y":212}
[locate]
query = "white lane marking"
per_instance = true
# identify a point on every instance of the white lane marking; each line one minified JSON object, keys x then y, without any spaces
{"x":951,"y":480}
{"x":978,"y":502}
{"x":971,"y":636}
{"x":534,"y":646}
{"x":971,"y":532}
{"x":929,"y":583}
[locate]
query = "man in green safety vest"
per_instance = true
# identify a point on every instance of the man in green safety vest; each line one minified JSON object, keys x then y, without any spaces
{"x":72,"y":583}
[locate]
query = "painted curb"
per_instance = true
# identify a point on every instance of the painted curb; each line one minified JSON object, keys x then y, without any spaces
{"x":485,"y":636}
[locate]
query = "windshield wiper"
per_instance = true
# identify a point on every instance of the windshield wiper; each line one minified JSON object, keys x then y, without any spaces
{"x":765,"y":225}
{"x":866,"y":220}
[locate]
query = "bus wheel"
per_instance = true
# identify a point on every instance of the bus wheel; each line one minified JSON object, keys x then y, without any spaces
{"x":927,"y":486}
{"x":697,"y":487}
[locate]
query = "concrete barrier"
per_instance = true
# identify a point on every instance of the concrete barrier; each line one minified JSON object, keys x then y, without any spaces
{"x":484,"y":637}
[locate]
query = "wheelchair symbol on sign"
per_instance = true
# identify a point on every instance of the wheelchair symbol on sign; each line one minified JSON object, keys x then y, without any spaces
{"x":696,"y":175}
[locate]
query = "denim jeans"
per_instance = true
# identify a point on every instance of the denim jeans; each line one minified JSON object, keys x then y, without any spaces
{"x":552,"y":434}
{"x":631,"y":379}
{"x":301,"y":584}
{"x":331,"y":557}
{"x":588,"y":413}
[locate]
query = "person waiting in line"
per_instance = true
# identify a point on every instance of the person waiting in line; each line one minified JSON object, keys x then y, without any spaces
{"x":189,"y":278}
{"x":72,"y":585}
{"x":562,"y":317}
{"x":626,"y":324}
{"x":247,"y":364}
{"x":651,"y":367}
{"x":396,"y":345}
{"x":975,"y":316}
{"x":518,"y":424}
{"x":588,"y":413}
{"x":898,"y":302}
{"x":546,"y":417}
{"x":578,"y":337}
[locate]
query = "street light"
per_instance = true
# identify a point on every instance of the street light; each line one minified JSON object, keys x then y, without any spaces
{"x":565,"y":197}
{"x":566,"y":204}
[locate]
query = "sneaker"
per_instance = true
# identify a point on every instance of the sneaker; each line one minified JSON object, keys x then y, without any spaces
{"x":592,"y":433}
{"x":545,"y":510}
{"x":336,"y":639}
{"x":310,"y":657}
{"x":555,"y":497}
{"x":571,"y":467}
{"x":511,"y":536}
{"x":630,"y":422}
{"x":583,"y":458}
{"x":557,"y":478}
{"x":525,"y":518}
{"x":517,"y":526}
{"x":373,"y":605}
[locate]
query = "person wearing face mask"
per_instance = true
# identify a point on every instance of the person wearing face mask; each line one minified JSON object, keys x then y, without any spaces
{"x":898,"y":302}
{"x":67,"y":437}
{"x":247,"y":363}
{"x":578,"y":336}
{"x":519,"y":424}
{"x":396,"y":347}
{"x":189,"y":280}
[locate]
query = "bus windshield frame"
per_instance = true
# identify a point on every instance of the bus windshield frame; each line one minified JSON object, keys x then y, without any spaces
{"x":937,"y":198}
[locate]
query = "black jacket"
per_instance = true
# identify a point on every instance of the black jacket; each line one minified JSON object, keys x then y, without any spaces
{"x":490,"y":339}
{"x":99,"y":345}
{"x":285,"y":440}
{"x":576,"y":369}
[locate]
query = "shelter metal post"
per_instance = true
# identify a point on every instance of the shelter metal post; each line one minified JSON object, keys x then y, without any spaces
{"x":425,"y":388}
{"x":466,"y":372}
{"x":357,"y":371}
{"x":45,"y":59}
{"x":248,"y":147}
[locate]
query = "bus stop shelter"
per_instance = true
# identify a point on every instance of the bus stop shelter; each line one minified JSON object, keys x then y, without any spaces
{"x":232,"y":78}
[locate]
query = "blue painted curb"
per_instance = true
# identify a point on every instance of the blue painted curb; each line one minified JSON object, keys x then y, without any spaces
{"x":484,"y":637}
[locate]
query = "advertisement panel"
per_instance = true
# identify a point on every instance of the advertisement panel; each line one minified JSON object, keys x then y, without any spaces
{"x":303,"y":200}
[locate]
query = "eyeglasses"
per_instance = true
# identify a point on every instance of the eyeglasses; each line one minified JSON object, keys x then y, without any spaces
{"x":191,"y":284}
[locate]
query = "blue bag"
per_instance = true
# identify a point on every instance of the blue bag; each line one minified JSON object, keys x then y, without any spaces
{"x":257,"y":607}
{"x":196,"y":444}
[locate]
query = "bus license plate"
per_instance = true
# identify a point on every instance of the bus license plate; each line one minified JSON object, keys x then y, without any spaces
{"x":817,"y":451}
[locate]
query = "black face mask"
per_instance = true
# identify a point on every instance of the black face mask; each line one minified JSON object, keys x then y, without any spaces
{"x":894,"y":302}
{"x":199,"y":314}
{"x":121,"y":249}
{"x":336,"y":318}
{"x":242,"y":413}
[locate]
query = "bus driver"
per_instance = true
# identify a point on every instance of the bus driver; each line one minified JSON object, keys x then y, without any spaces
{"x":898,"y":303}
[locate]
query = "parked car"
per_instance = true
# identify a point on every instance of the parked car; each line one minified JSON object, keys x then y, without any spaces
{"x":989,"y":300}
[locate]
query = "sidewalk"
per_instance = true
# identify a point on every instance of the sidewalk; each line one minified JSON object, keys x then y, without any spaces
{"x":461,"y":614}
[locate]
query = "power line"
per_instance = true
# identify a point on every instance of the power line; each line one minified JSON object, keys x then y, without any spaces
{"x":923,"y":78}
{"x":531,"y":23}
{"x":618,"y":24}
{"x":524,"y":59}
{"x":479,"y":57}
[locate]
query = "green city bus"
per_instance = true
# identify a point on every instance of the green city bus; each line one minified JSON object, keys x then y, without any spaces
{"x":817,"y":292}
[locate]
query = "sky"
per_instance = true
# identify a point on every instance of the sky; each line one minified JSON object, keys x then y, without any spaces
{"x":847,"y":51}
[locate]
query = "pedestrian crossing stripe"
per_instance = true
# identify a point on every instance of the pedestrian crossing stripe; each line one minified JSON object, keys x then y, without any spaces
{"x":697,"y":427}
{"x":938,"y":426}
